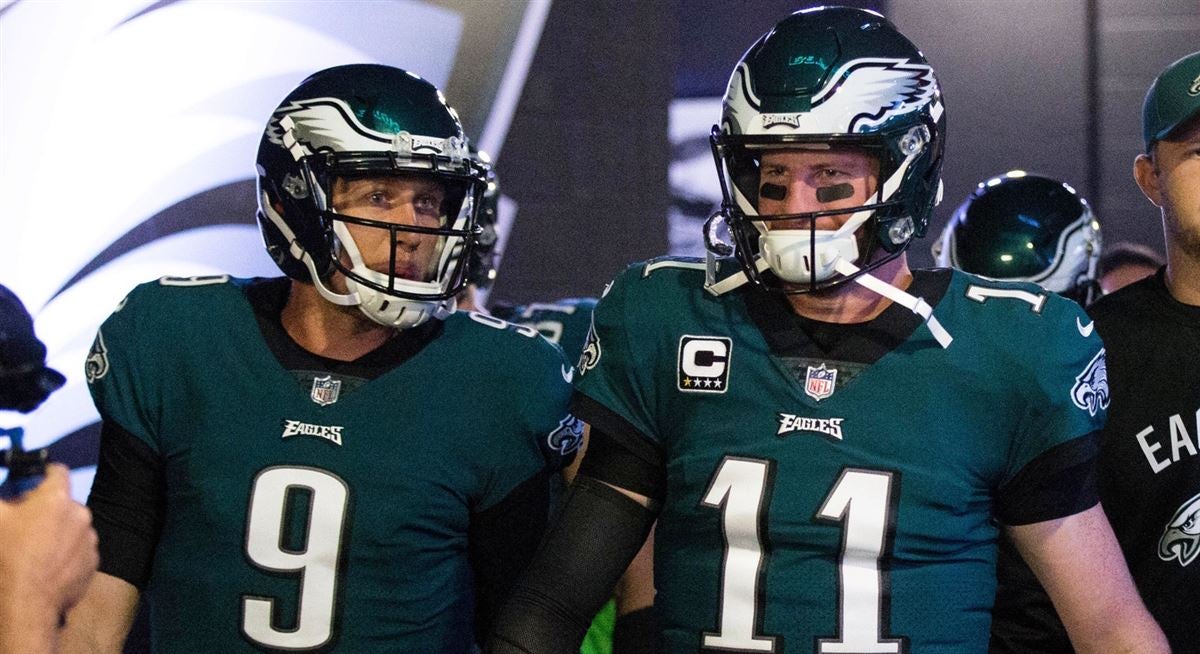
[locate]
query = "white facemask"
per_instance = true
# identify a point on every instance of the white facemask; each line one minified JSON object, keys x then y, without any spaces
{"x":389,"y":310}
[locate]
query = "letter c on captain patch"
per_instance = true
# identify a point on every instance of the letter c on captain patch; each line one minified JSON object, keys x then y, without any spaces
{"x":704,"y":364}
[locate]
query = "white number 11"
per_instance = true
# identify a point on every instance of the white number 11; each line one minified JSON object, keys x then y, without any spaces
{"x":860,"y":500}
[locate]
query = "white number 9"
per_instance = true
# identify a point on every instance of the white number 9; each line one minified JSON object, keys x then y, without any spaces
{"x":315,"y":565}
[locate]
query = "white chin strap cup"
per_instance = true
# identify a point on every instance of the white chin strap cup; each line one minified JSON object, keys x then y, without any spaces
{"x":398,"y":313}
{"x":788,"y":253}
{"x":915,"y":304}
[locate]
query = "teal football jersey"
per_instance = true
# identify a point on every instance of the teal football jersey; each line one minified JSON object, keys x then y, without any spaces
{"x":811,"y":511}
{"x":565,"y":322}
{"x":305,"y":519}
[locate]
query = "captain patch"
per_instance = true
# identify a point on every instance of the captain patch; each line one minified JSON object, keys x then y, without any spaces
{"x":703,"y":364}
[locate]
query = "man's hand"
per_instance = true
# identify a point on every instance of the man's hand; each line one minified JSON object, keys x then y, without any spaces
{"x":47,"y":557}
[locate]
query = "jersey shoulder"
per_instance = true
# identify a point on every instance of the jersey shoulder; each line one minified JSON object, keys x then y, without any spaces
{"x":565,"y":321}
{"x":490,"y":340}
{"x":663,"y":286}
{"x":181,"y":298}
{"x":1019,"y":331}
{"x":519,"y":313}
{"x":1010,"y":305}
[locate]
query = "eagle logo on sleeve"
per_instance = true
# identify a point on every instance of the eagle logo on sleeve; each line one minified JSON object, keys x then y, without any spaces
{"x":1181,"y":537}
{"x":1090,"y":391}
{"x":591,"y":350}
{"x":96,"y":366}
{"x":567,"y":436}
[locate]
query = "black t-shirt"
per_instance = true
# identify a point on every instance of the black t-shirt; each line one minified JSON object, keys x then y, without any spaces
{"x":1150,"y":467}
{"x":1148,"y":472}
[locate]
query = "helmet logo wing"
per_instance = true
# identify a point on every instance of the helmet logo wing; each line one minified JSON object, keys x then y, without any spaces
{"x":323,"y":125}
{"x":867,"y":92}
{"x":862,"y":94}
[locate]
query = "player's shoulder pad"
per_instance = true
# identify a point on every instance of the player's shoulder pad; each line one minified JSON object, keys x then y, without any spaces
{"x":177,"y":297}
{"x":668,"y":273}
{"x":1005,"y":308}
{"x":688,"y":271}
{"x":580,"y":303}
{"x":504,"y":340}
{"x":522,"y":313}
{"x":1012,"y":297}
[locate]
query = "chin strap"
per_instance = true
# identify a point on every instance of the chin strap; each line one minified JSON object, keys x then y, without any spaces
{"x":348,"y":300}
{"x":297,"y":251}
{"x":729,"y":283}
{"x":911,"y":302}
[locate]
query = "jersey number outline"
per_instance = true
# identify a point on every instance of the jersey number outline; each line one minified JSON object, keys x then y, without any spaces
{"x":316,"y":566}
{"x":981,"y":294}
{"x":862,"y":500}
{"x":497,"y":323}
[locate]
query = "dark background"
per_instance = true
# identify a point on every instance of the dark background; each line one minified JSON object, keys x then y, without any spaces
{"x":1053,"y":87}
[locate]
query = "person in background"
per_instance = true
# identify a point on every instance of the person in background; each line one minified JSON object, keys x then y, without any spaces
{"x":48,"y":549}
{"x":1149,"y":467}
{"x":827,"y":438}
{"x":300,"y":463}
{"x":1124,"y":263}
{"x":1148,"y":474}
{"x":1029,"y":228}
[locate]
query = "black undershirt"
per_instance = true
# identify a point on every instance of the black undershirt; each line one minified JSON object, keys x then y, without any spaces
{"x":793,"y":336}
{"x":268,"y":296}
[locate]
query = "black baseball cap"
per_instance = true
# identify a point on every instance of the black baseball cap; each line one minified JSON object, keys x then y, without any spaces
{"x":25,"y":381}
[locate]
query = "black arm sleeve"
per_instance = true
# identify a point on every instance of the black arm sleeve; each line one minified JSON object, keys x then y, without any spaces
{"x":128,"y":502}
{"x":573,"y":573}
{"x":1058,"y":483}
{"x":501,"y":541}
{"x":617,"y":454}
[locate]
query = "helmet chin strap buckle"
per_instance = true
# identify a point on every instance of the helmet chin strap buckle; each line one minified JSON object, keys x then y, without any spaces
{"x":911,"y":302}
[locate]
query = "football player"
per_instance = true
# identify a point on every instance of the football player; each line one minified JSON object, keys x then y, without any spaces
{"x":1148,"y":471}
{"x":826,"y":437}
{"x":300,"y":463}
{"x":1026,"y":227}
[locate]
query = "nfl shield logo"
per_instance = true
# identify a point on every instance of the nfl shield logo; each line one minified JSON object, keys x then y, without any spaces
{"x":325,"y":390}
{"x":819,"y":382}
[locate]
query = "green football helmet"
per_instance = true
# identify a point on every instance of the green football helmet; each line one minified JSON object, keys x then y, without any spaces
{"x":367,"y":120}
{"x":830,"y":76}
{"x":1025,"y":227}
